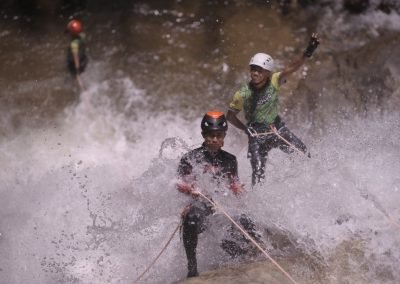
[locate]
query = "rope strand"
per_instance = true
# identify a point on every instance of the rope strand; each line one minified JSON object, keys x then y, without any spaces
{"x":284,"y":140}
{"x":264,"y":133}
{"x":161,"y":252}
{"x":249,"y":237}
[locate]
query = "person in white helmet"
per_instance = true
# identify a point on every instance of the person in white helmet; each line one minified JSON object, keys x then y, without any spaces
{"x":259,"y":100}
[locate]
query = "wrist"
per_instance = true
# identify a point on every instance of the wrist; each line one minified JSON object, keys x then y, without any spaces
{"x":307,"y":53}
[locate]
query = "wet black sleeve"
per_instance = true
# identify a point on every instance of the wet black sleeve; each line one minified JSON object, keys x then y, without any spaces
{"x":235,"y":173}
{"x":184,"y":167}
{"x":231,"y":167}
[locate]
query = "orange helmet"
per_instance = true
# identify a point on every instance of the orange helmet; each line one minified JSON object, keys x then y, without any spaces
{"x":214,"y":120}
{"x":74,"y":27}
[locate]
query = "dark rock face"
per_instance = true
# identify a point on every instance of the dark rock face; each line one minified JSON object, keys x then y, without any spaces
{"x":370,"y":72}
{"x":356,"y":6}
{"x":286,"y":6}
{"x":387,"y":6}
{"x":35,"y":7}
{"x":359,"y":82}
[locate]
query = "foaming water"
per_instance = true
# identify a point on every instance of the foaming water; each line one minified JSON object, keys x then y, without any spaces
{"x":96,"y":196}
{"x":90,"y":196}
{"x":347,"y":192}
{"x":87,"y":202}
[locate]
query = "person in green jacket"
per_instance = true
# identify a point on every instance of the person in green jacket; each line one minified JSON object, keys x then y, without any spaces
{"x":76,"y":52}
{"x":259,"y":100}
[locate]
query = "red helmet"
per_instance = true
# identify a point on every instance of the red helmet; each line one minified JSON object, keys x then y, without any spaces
{"x":74,"y":27}
{"x":214,"y":120}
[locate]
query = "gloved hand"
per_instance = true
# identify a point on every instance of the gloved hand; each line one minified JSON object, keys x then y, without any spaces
{"x":312,"y":45}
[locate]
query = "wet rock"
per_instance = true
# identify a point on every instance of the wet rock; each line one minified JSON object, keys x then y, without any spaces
{"x":262,"y":272}
{"x":356,"y":6}
{"x":372,"y":71}
{"x":286,"y":6}
{"x":387,"y":6}
{"x":303,"y":265}
{"x":355,"y":251}
{"x":357,"y":82}
{"x":32,"y":7}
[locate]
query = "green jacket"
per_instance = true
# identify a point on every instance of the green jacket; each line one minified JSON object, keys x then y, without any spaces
{"x":259,"y":107}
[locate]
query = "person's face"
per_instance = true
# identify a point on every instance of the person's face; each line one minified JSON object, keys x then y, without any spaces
{"x":259,"y":76}
{"x":214,"y":140}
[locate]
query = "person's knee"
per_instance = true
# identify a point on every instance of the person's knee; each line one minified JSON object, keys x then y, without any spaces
{"x":193,"y":221}
{"x":258,"y":164}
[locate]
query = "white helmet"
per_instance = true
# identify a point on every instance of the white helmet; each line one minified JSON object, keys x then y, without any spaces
{"x":263,"y":60}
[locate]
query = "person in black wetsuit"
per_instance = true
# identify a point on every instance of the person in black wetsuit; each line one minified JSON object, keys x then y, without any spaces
{"x":222,"y":166}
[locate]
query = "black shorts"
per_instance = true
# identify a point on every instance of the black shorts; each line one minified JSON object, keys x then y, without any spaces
{"x":83,"y":61}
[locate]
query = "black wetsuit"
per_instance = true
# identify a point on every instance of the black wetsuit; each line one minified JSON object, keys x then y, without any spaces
{"x":224,"y":169}
{"x":259,"y":146}
{"x":224,"y":164}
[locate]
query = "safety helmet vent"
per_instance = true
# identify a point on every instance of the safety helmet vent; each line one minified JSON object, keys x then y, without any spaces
{"x":262,"y":60}
{"x":214,"y":120}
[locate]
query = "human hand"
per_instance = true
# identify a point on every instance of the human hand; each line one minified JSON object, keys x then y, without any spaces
{"x":188,"y":188}
{"x":237,"y":188}
{"x":312,"y":45}
{"x":184,"y":186}
{"x":195,"y":192}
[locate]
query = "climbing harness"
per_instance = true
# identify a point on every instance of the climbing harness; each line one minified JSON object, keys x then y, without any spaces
{"x":275,"y":131}
{"x":253,"y":133}
{"x":248,"y":237}
{"x":158,"y":256}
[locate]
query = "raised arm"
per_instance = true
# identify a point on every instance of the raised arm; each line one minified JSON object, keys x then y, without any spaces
{"x":295,"y":65}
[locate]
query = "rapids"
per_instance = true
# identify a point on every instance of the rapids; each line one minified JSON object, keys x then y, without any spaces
{"x":87,"y":178}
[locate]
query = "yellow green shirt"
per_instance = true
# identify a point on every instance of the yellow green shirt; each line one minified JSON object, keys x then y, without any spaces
{"x":266,"y":107}
{"x":77,"y":45}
